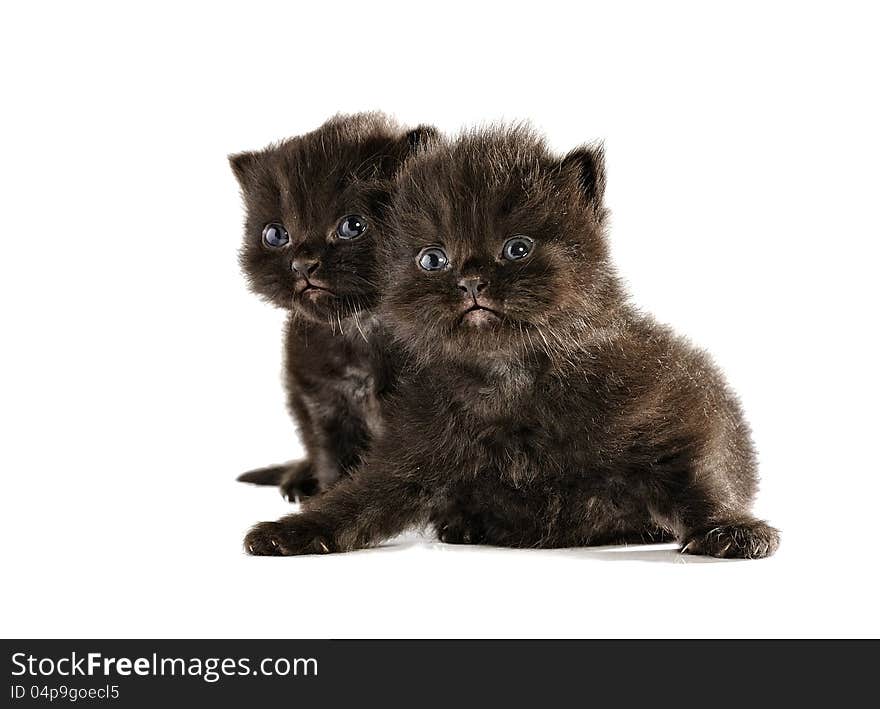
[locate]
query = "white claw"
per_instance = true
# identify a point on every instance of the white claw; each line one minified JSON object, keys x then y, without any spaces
{"x":324,"y":547}
{"x":686,"y":547}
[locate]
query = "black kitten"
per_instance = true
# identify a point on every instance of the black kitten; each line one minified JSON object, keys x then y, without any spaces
{"x":540,"y":409}
{"x":313,"y":224}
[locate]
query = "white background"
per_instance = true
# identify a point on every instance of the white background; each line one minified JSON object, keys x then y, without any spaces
{"x":139,"y":376}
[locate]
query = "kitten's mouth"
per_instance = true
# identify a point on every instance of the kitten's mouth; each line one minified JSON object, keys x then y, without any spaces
{"x":480,"y":316}
{"x":313,"y":291}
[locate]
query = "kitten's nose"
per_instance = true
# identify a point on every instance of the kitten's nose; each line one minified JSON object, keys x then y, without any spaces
{"x":472,"y":285}
{"x":304,"y":265}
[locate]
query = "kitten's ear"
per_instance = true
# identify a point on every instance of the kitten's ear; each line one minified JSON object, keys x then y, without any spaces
{"x":587,"y":164}
{"x":244,"y":167}
{"x":421,"y":136}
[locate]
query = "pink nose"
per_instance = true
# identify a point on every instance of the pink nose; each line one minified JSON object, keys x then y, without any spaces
{"x":305,"y":266}
{"x":472,"y":285}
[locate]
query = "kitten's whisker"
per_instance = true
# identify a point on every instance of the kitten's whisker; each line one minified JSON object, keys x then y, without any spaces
{"x":357,"y":324}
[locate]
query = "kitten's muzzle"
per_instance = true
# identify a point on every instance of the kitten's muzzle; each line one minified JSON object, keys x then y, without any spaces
{"x":313,"y":288}
{"x":479,"y":309}
{"x":303,"y":267}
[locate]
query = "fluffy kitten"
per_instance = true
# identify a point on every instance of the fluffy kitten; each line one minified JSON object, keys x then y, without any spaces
{"x":540,"y":408}
{"x":313,"y":225}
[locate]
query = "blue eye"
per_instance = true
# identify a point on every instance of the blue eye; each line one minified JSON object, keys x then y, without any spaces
{"x":432,"y":259}
{"x":351,"y":227}
{"x":517,"y":248}
{"x":275,"y":235}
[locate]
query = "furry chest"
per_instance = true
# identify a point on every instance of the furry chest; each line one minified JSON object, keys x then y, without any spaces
{"x":356,"y":384}
{"x":518,"y":452}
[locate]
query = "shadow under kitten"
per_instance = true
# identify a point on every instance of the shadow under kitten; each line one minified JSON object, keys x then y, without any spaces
{"x":313,"y":223}
{"x":538,"y":407}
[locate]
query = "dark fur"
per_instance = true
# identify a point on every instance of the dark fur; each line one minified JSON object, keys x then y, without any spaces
{"x":572,"y":419}
{"x":339,"y":361}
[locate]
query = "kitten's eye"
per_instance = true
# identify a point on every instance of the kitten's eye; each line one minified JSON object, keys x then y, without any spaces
{"x":517,"y":248}
{"x":432,"y":259}
{"x":351,"y":227}
{"x":275,"y":235}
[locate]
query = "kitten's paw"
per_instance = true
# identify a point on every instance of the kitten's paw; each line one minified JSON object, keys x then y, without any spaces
{"x":296,"y":480}
{"x":298,"y":486}
{"x":750,"y":539}
{"x":286,"y":539}
{"x":459,"y":532}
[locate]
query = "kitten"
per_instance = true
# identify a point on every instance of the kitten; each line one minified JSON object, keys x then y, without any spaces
{"x":313,"y":225}
{"x":540,"y":408}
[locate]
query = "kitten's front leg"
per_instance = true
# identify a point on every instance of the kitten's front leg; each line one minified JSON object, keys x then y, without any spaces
{"x":709,"y":524}
{"x":377,"y":502}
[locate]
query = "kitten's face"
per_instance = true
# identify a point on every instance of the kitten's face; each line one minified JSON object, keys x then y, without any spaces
{"x":314,"y":215}
{"x":497,"y":247}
